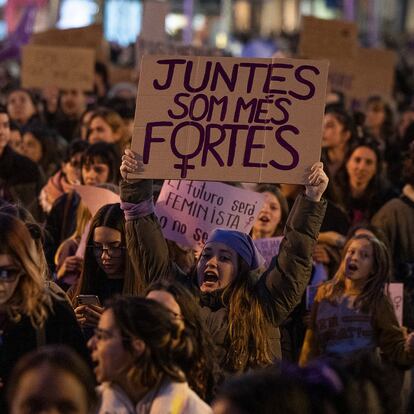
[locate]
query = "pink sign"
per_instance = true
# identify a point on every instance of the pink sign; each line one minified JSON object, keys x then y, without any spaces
{"x":268,"y":248}
{"x":189,"y":210}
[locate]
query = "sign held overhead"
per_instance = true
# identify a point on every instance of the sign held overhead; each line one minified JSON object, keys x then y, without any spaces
{"x":250,"y":120}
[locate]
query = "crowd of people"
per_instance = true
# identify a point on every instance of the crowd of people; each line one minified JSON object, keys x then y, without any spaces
{"x":140,"y":324}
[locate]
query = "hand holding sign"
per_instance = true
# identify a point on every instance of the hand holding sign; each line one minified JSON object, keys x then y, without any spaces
{"x":131,"y":164}
{"x":317,"y":182}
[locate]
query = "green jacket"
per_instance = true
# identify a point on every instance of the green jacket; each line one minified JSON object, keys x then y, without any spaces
{"x":279,"y":288}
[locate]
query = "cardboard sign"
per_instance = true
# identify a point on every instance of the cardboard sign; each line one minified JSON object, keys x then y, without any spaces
{"x":44,"y":66}
{"x":322,"y":38}
{"x":396,"y":291}
{"x":90,"y":37}
{"x":214,"y":119}
{"x":153,"y":20}
{"x":80,"y":251}
{"x":189,"y":210}
{"x":370,"y":72}
{"x":94,"y":197}
{"x":268,"y":248}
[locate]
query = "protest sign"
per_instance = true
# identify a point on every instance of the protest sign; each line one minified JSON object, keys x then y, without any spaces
{"x":80,"y":251}
{"x":189,"y":210}
{"x":153,"y":20}
{"x":396,"y":291}
{"x":321,"y":38}
{"x":95,"y":197}
{"x":268,"y":248}
{"x":44,"y":66}
{"x":214,"y":119}
{"x":90,"y":37}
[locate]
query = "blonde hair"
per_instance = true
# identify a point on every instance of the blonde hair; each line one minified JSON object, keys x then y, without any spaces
{"x":374,"y":288}
{"x":31,"y":297}
{"x":83,"y":217}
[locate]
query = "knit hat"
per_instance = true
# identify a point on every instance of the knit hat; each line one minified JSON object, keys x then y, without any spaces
{"x":241,"y":242}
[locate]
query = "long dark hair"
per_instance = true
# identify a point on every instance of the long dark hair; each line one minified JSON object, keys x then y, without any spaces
{"x":92,"y":275}
{"x":151,"y":322}
{"x":201,"y":368}
{"x":246,"y":339}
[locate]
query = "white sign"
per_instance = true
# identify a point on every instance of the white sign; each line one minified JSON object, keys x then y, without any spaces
{"x":94,"y":197}
{"x":189,"y":210}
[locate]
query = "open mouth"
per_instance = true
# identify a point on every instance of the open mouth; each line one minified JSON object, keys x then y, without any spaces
{"x":352,"y":267}
{"x":264,"y":219}
{"x":210,"y":277}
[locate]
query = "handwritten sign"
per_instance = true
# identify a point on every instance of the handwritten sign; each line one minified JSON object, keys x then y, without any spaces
{"x":94,"y":197}
{"x":90,"y":37}
{"x":268,"y":248}
{"x":189,"y":210}
{"x":396,"y":291}
{"x":43,"y":66}
{"x":249,"y":120}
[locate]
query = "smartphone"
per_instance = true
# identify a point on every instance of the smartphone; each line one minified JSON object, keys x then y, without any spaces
{"x":88,"y":300}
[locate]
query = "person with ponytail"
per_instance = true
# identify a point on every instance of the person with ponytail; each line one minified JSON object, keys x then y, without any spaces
{"x":135,"y":348}
{"x":241,"y":311}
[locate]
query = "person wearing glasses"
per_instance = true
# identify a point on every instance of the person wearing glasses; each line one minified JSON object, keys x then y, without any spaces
{"x":107,"y":268}
{"x":134,"y":349}
{"x":31,"y":314}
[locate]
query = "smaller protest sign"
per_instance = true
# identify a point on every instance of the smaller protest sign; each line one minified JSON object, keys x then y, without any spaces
{"x":90,"y":37}
{"x":321,"y":38}
{"x":44,"y":66}
{"x":396,"y":291}
{"x":189,"y":210}
{"x":94,"y":197}
{"x":153,"y":20}
{"x":268,"y":248}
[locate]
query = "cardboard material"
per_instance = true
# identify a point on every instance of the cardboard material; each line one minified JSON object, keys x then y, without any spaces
{"x":357,"y":72}
{"x":214,"y":119}
{"x":189,"y":210}
{"x":94,"y":197}
{"x":44,"y":66}
{"x":396,"y":291}
{"x":90,"y":37}
{"x":80,"y":252}
{"x":321,"y":38}
{"x":153,"y":20}
{"x":268,"y":248}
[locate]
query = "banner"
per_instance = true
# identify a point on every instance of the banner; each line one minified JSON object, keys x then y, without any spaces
{"x":214,"y":119}
{"x":189,"y":210}
{"x":268,"y":248}
{"x":44,"y":66}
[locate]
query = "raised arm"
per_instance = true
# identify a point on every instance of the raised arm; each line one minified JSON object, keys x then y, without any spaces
{"x":145,"y":241}
{"x":281,"y":287}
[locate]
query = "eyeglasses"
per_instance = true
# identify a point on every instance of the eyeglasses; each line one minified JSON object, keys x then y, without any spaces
{"x":9,"y":275}
{"x":112,"y":251}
